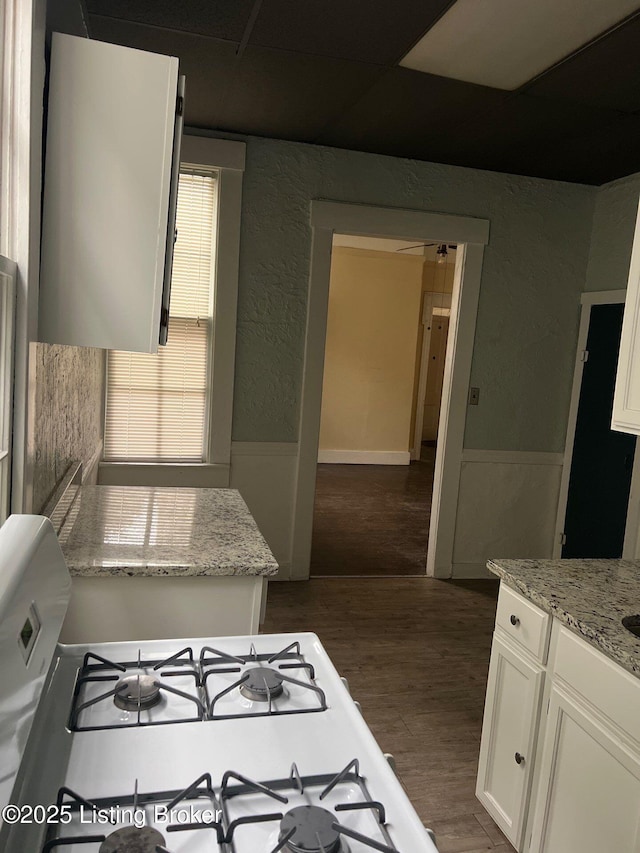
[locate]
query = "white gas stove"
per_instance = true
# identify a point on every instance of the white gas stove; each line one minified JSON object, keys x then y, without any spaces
{"x":225,"y":745}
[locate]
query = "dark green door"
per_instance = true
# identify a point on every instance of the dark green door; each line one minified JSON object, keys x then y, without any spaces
{"x":602,"y":461}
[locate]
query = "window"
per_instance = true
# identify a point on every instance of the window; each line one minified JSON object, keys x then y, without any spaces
{"x":7,"y":323}
{"x":209,"y":466}
{"x":157,"y":405}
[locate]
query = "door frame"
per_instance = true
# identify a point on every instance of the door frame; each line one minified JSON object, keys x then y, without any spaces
{"x":471,"y":235}
{"x":588,"y":300}
{"x":426,"y":321}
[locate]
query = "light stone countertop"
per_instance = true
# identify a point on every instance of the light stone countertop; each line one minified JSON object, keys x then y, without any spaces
{"x":140,"y":531}
{"x":589,"y":596}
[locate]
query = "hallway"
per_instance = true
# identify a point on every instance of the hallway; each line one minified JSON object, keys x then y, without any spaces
{"x":372,"y":519}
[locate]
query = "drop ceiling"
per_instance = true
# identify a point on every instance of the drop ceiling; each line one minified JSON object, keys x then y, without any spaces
{"x":563,"y":100}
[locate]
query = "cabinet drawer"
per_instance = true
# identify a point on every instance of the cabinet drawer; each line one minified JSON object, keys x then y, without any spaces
{"x":603,"y":683}
{"x":523,"y":622}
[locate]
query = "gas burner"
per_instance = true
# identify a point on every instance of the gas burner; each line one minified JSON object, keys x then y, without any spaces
{"x":135,"y":824}
{"x":263,"y":683}
{"x":152,"y":692}
{"x":131,"y":839}
{"x":138,"y":690}
{"x":309,"y":829}
{"x":260,"y":679}
{"x":327,"y":813}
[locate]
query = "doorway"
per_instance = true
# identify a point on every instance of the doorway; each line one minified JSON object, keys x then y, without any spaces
{"x":385,"y":353}
{"x":599,"y":463}
{"x":470,"y":235}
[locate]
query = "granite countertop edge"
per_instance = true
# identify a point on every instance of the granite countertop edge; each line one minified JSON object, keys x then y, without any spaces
{"x":171,"y":570}
{"x":629,"y":660}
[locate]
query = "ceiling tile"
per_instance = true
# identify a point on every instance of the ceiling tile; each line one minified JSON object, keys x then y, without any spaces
{"x":607,"y":74}
{"x":524,"y":122}
{"x":364,"y":30}
{"x":225,"y":19}
{"x":504,"y":44}
{"x":410,"y":114}
{"x":467,"y":125}
{"x":609,"y":152}
{"x":208,"y":64}
{"x":292,"y":95}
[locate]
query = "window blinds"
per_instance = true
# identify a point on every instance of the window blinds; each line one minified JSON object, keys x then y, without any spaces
{"x":156,"y":409}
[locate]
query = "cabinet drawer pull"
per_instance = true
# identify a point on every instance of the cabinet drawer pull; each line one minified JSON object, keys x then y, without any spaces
{"x":519,"y":758}
{"x":514,"y":619}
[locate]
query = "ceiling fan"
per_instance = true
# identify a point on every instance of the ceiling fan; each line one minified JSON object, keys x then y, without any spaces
{"x":441,"y":252}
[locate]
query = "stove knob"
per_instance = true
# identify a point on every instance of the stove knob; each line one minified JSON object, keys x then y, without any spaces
{"x":358,"y":705}
{"x":346,"y":683}
{"x":391,"y":762}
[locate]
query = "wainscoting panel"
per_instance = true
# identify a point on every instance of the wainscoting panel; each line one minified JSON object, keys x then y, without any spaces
{"x":506,"y":508}
{"x":264,"y":473}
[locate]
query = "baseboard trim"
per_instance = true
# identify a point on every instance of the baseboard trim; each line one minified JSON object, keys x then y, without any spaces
{"x":422,"y":576}
{"x":512,"y":457}
{"x":364,"y":457}
{"x":471,"y":571}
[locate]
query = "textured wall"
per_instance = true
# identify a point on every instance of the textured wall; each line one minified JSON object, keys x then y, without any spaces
{"x":614,"y":221}
{"x":534,"y":271}
{"x":68,"y":413}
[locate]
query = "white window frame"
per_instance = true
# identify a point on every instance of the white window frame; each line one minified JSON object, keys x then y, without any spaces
{"x":7,"y":335}
{"x":228,"y":158}
{"x":22,"y":71}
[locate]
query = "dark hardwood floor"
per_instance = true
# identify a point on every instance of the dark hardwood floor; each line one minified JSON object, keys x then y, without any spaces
{"x":416,"y":654}
{"x":372,"y":519}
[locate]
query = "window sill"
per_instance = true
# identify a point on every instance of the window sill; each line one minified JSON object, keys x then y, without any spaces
{"x":164,"y":474}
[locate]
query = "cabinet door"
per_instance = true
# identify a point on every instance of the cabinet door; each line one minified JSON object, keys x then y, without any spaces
{"x":110,"y":133}
{"x":508,"y":738}
{"x":588,"y":799}
{"x":626,"y":401}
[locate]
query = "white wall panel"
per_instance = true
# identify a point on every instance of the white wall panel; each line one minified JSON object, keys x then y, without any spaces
{"x":506,"y":508}
{"x":264,"y":473}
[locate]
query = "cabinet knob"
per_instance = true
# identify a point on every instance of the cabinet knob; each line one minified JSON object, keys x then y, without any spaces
{"x":519,"y":758}
{"x":514,"y":619}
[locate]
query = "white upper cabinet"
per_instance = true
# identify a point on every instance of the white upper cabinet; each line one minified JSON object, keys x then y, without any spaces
{"x":626,"y":401}
{"x":111,"y":123}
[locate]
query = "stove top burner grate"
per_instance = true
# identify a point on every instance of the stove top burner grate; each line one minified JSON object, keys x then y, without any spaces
{"x":259,"y":681}
{"x":309,"y":824}
{"x":134,"y":689}
{"x":130,"y":838}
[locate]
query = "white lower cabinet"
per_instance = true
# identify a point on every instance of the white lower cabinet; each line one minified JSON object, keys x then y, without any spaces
{"x":559,"y":767}
{"x":588,"y":799}
{"x":508,"y":737}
